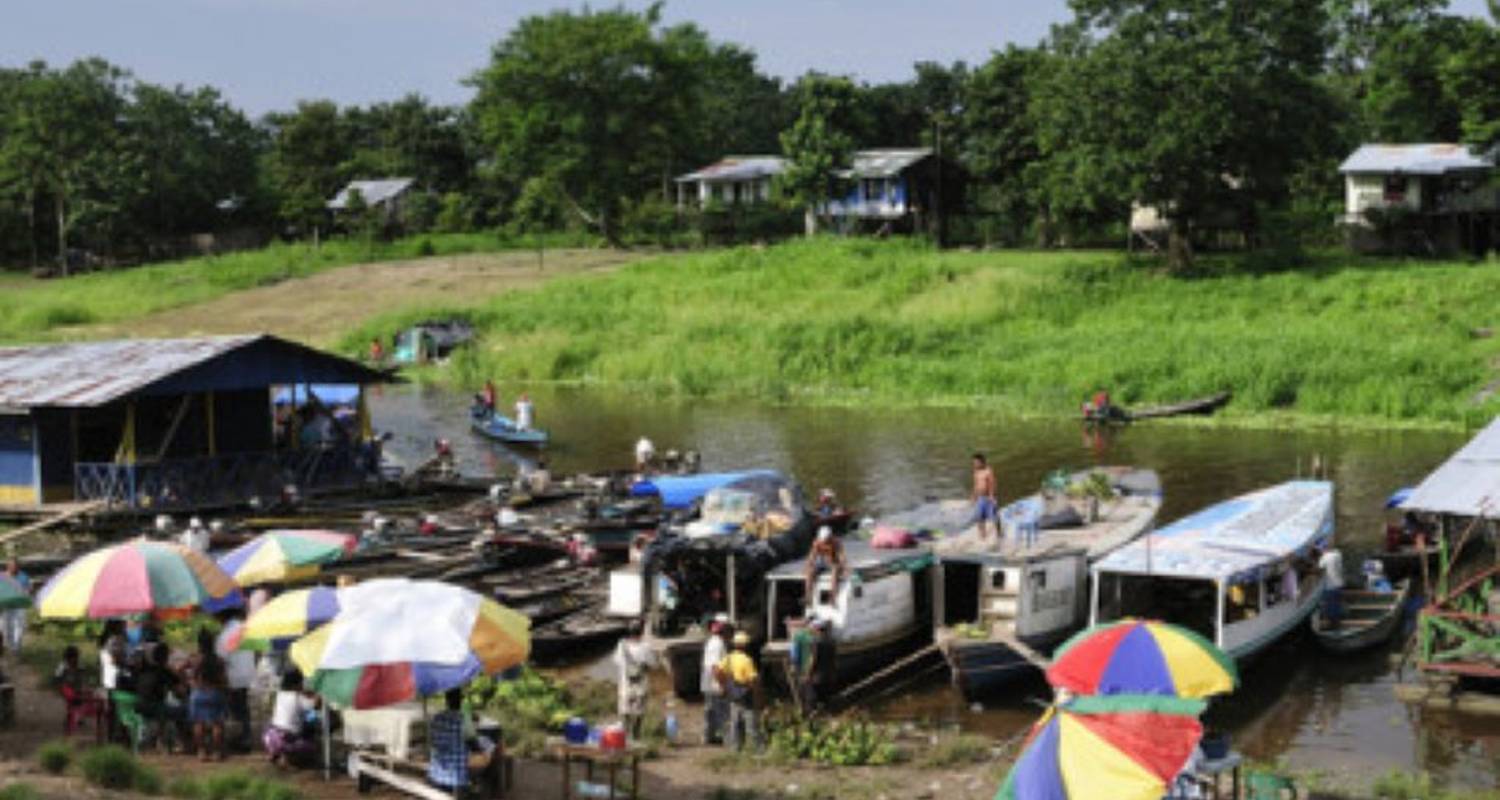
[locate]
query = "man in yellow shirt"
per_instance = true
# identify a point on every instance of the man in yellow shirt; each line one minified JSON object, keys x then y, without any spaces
{"x":741,"y":682}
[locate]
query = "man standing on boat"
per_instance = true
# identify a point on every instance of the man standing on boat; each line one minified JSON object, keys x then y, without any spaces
{"x":985,"y":505}
{"x":1331,"y":561}
{"x":488,"y":396}
{"x":524,"y":413}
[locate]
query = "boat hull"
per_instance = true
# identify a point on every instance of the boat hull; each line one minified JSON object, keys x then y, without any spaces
{"x":984,"y":668}
{"x":501,"y":429}
{"x":1360,"y":631}
{"x":852,"y":661}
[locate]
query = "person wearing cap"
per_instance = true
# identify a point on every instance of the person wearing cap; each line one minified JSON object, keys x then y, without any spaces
{"x":827,"y":554}
{"x":741,"y":682}
{"x":805,"y":660}
{"x":715,"y":704}
{"x":633,"y":658}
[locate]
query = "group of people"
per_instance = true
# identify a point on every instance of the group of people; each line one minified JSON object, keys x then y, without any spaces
{"x":487,"y":401}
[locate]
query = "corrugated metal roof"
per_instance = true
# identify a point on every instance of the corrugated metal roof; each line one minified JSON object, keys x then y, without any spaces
{"x":374,"y":192}
{"x":90,"y":374}
{"x":1468,"y":484}
{"x":1414,"y":159}
{"x":737,"y":168}
{"x":885,"y":163}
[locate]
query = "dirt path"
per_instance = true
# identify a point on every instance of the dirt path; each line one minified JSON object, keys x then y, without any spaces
{"x":320,"y":309}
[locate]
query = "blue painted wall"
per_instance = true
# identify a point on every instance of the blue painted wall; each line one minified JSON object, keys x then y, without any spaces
{"x":17,"y":460}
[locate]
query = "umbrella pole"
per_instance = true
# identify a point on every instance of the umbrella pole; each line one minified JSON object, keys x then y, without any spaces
{"x":327,"y":743}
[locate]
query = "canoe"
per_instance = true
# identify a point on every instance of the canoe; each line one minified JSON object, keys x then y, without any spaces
{"x":1370,"y":619}
{"x":502,"y":429}
{"x":1116,"y":414}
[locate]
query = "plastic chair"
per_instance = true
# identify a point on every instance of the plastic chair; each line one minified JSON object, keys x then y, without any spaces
{"x":81,"y":708}
{"x":130,"y":718}
{"x":1270,"y":786}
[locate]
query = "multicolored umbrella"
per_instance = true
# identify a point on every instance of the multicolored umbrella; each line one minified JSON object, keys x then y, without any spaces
{"x":400,"y":640}
{"x":1139,"y":657}
{"x":136,"y":577}
{"x":286,"y":617}
{"x":1122,"y":748}
{"x":289,"y":555}
{"x":13,"y":594}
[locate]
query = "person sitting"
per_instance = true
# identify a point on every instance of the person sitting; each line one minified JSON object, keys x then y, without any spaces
{"x":1375,"y":578}
{"x":827,"y":554}
{"x":291,"y":736}
{"x":525,"y":413}
{"x":645,"y":456}
{"x":156,"y":688}
{"x":828,"y":503}
{"x":69,"y":680}
{"x":455,"y":754}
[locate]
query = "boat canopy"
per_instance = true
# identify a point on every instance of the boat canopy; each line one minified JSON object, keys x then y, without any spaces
{"x":1466,"y":485}
{"x":679,"y":492}
{"x":1235,"y":540}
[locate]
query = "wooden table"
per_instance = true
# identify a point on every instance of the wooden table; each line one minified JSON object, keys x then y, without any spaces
{"x":592,"y":755}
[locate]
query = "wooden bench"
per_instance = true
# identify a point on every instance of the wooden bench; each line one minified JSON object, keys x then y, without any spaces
{"x":367,"y":766}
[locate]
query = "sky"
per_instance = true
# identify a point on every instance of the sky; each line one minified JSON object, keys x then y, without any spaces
{"x":265,"y":55}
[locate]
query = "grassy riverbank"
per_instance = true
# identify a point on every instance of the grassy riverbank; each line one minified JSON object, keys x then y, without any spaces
{"x":1030,"y":332}
{"x":34,"y":309}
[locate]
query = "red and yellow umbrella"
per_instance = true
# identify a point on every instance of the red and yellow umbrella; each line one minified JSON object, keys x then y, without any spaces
{"x":136,"y":577}
{"x":1121,"y":748}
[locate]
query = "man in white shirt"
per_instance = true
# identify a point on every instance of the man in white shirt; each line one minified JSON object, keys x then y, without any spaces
{"x":1331,"y":562}
{"x":239,"y":669}
{"x":196,"y":536}
{"x":524,"y":413}
{"x":715,"y":705}
{"x":645,"y":454}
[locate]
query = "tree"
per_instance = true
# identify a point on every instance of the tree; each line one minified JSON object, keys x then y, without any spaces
{"x":590,"y":102}
{"x":1404,"y":96}
{"x":1197,"y":106}
{"x":818,"y":144}
{"x":997,"y":135}
{"x":732,"y":109}
{"x":310,"y":147}
{"x":1471,"y":74}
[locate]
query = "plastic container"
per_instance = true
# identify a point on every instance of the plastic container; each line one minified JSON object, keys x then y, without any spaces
{"x":613,"y":738}
{"x":576,"y":731}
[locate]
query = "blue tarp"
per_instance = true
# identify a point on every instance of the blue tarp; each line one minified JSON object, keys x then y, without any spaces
{"x":1399,"y":496}
{"x":679,"y":492}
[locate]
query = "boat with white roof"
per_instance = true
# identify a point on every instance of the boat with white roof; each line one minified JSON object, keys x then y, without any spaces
{"x":1241,"y":572}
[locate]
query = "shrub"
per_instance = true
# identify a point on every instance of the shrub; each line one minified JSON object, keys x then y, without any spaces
{"x":185,"y":788}
{"x":19,"y":791}
{"x":837,"y":742}
{"x":55,"y":756}
{"x":109,"y":767}
{"x":956,"y":751}
{"x":147,"y":780}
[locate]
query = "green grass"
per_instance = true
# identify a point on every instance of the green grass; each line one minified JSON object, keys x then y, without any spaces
{"x":839,"y":321}
{"x":34,"y":309}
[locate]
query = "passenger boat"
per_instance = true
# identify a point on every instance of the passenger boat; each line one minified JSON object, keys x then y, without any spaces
{"x":712,"y":563}
{"x":1240,"y":573}
{"x":1370,"y":619}
{"x":880,"y":613}
{"x":497,"y":426}
{"x":1003,"y":606}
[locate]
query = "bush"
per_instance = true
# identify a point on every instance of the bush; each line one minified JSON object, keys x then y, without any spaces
{"x":147,"y":780}
{"x":109,"y":767}
{"x":956,"y":751}
{"x":837,"y":742}
{"x":19,"y":791}
{"x":232,"y":785}
{"x":55,"y":756}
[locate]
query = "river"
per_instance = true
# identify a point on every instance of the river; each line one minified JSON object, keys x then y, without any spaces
{"x":1299,"y":707}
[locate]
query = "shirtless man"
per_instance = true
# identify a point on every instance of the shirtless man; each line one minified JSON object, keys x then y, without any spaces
{"x":986,"y":509}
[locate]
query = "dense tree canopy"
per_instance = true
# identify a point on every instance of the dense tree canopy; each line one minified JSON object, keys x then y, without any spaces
{"x":1215,"y":112}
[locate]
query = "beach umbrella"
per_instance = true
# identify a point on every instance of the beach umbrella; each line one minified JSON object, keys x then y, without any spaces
{"x":286,"y":617}
{"x":394,"y":641}
{"x":137,"y":577}
{"x":1142,"y":657}
{"x":13,"y":594}
{"x":287,"y":555}
{"x":1122,"y":748}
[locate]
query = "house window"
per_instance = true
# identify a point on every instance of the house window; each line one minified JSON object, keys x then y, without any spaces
{"x":1395,"y":188}
{"x":874,"y":190}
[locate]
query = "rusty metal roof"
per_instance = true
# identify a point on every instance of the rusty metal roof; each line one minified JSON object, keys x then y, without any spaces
{"x":89,"y":374}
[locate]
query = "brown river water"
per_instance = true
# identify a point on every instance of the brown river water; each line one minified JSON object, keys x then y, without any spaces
{"x":1298,"y":707}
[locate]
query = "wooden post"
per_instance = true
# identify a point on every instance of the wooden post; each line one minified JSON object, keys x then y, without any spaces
{"x":733,"y":594}
{"x":209,"y":424}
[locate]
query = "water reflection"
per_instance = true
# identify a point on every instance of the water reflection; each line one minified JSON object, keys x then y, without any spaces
{"x":1313,"y":711}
